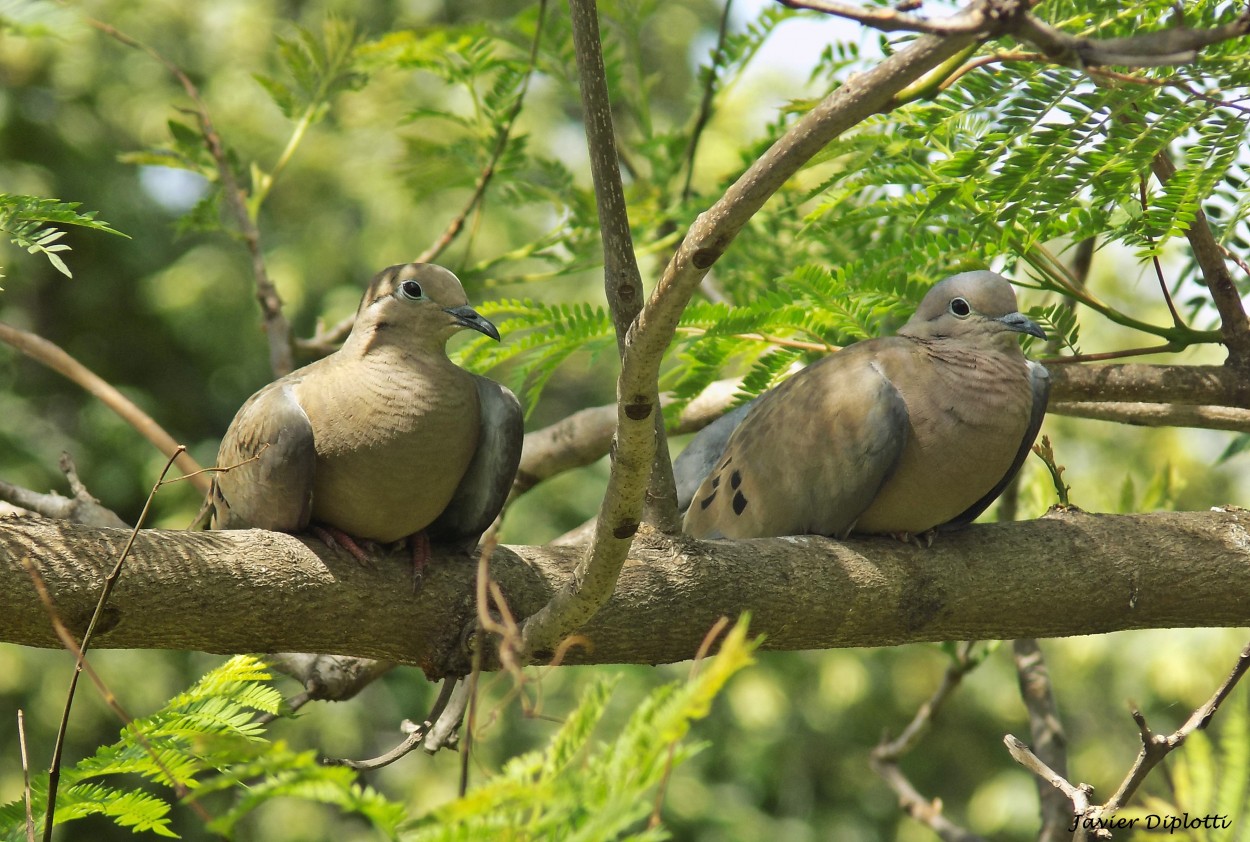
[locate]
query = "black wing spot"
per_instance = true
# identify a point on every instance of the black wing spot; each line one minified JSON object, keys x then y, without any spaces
{"x":736,"y":480}
{"x":707,"y":501}
{"x":716,"y":481}
{"x":740,"y":503}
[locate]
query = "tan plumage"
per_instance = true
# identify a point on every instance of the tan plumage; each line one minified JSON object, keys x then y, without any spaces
{"x":895,"y":435}
{"x":382,"y":439}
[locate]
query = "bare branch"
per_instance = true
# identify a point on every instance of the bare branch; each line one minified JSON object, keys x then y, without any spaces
{"x":256,"y":591}
{"x":55,"y":358}
{"x":889,"y":20}
{"x":1156,"y":747}
{"x":1174,"y":46}
{"x":586,"y":436}
{"x":1087,"y":818}
{"x":622,"y":280}
{"x":884,"y":758}
{"x":81,"y":508}
{"x":1131,"y":382}
{"x":1049,"y":740}
{"x":1158,"y":414}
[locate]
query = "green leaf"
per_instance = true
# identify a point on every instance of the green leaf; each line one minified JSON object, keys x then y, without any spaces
{"x":28,"y":223}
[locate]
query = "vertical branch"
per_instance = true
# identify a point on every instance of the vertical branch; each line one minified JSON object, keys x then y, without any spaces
{"x":1050,"y":743}
{"x":1234,"y":324}
{"x":622,"y":280}
{"x":277,"y":328}
{"x":865,"y":94}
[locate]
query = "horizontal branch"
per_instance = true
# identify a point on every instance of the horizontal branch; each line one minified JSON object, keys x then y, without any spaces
{"x":1210,"y":385}
{"x":1157,"y":414}
{"x":1206,"y":397}
{"x":1068,"y":573}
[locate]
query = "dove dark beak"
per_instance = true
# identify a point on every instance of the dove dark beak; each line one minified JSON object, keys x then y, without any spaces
{"x":466,"y":316}
{"x":1023,"y":324}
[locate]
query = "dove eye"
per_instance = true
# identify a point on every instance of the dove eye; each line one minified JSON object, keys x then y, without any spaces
{"x":959,"y":308}
{"x":411,"y":290}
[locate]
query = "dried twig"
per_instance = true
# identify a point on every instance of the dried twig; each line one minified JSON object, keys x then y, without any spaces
{"x":21,"y":743}
{"x":884,"y":758}
{"x":1095,"y":818}
{"x":1046,"y":730}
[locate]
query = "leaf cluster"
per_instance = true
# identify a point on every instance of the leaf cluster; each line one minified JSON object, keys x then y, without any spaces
{"x":204,"y":740}
{"x":574,"y":790}
{"x":30,"y":223}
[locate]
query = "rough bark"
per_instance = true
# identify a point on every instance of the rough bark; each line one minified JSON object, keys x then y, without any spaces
{"x":1068,"y":573}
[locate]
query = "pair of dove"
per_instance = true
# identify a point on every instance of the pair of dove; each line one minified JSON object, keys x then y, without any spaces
{"x":386,"y":438}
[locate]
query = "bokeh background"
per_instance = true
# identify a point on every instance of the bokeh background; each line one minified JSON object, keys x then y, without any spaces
{"x":167,"y":314}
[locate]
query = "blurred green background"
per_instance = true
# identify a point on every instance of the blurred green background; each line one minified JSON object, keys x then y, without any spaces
{"x":168,"y":316}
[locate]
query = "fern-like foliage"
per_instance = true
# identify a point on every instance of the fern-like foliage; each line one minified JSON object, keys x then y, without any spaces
{"x":203,"y":740}
{"x":30,"y":223}
{"x":206,"y":741}
{"x":573,"y":790}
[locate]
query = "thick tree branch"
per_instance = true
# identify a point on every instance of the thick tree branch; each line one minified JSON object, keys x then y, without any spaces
{"x":622,"y":280}
{"x":862,"y":96}
{"x":253,"y":591}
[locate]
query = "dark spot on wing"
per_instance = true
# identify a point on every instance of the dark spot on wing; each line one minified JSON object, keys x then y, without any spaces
{"x":716,"y":481}
{"x":740,"y":503}
{"x":707,"y":501}
{"x":736,"y":480}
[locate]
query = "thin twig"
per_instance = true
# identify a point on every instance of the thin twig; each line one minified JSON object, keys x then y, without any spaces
{"x":80,"y":650}
{"x":55,"y":358}
{"x":277,"y":329}
{"x":454,"y":227}
{"x":887,"y":20}
{"x":705,"y":103}
{"x":1166,"y":348}
{"x":884,"y":758}
{"x":1156,"y":747}
{"x":1158,"y":264}
{"x":26,"y":794}
{"x":323,"y":341}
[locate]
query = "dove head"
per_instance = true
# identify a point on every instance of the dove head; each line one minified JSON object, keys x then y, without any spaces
{"x":978,"y":307}
{"x":417,"y":303}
